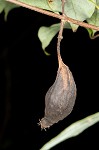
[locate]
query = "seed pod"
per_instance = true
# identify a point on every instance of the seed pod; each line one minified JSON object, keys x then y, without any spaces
{"x":60,"y":98}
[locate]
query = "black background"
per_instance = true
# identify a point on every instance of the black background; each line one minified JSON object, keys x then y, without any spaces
{"x":26,"y":73}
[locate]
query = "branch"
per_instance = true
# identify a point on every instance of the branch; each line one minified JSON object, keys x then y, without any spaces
{"x":60,"y":32}
{"x":65,"y":18}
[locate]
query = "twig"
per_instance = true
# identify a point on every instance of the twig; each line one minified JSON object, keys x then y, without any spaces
{"x":60,"y":31}
{"x":65,"y":18}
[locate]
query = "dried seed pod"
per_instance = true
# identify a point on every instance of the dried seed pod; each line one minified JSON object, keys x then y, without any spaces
{"x":60,"y":98}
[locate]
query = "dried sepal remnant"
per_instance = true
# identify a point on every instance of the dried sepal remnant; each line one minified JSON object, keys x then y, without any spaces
{"x":60,"y":98}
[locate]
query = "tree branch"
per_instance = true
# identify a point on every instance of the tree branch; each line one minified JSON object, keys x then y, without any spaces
{"x":65,"y":18}
{"x":60,"y":31}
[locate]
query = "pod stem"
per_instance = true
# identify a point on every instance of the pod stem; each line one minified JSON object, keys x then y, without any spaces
{"x":60,"y":37}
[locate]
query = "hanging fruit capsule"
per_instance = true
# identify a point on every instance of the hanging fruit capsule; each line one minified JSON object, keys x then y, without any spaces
{"x":60,"y":98}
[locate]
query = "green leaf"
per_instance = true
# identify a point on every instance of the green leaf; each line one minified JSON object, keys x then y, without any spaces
{"x":2,"y":5}
{"x":9,"y":7}
{"x":94,"y":20}
{"x":6,"y":6}
{"x":72,"y":131}
{"x":55,"y":5}
{"x":46,"y":34}
{"x":38,"y":3}
{"x":76,"y":9}
{"x":94,"y":4}
{"x":90,"y":31}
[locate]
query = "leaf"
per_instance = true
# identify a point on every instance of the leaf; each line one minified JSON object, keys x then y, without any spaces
{"x":55,"y":5}
{"x":76,"y":9}
{"x":94,"y":4}
{"x":46,"y":34}
{"x":2,"y":5}
{"x":38,"y":3}
{"x":72,"y":131}
{"x":94,"y":20}
{"x":6,"y":6}
{"x":9,"y":7}
{"x":90,"y":31}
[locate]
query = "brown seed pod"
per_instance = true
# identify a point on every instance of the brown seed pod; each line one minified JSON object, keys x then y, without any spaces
{"x":60,"y":98}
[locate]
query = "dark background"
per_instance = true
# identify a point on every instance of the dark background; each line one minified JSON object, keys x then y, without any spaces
{"x":26,"y":73}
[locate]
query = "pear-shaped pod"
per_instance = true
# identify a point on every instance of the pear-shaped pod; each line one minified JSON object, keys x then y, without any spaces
{"x":60,"y":98}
